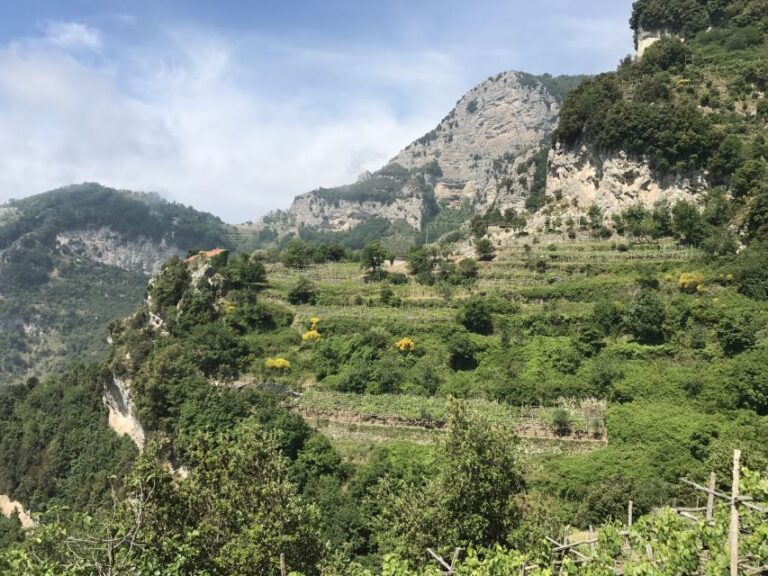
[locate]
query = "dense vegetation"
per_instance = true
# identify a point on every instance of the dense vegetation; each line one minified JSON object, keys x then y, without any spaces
{"x":55,"y":303}
{"x":348,"y":410}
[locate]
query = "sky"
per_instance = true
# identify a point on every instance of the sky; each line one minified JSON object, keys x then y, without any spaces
{"x":234,"y":107}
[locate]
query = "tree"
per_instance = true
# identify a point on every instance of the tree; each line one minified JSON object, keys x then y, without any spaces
{"x":169,"y":286}
{"x":372,"y":258}
{"x":296,"y":254}
{"x":736,"y":334}
{"x":472,"y":501}
{"x":477,"y":316}
{"x":468,"y":269}
{"x":462,"y":352}
{"x":243,"y":272}
{"x":688,"y":223}
{"x":303,"y":292}
{"x":485,"y":250}
{"x":645,"y":318}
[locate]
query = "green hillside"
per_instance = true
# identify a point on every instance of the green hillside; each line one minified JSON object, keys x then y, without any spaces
{"x":55,"y":304}
{"x":338,"y":410}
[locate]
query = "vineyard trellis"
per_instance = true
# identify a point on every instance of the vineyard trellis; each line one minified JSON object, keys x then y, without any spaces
{"x":582,"y":552}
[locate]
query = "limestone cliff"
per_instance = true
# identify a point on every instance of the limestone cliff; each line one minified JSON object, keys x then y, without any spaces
{"x":475,"y":153}
{"x":108,"y":247}
{"x":578,"y":179}
{"x":503,"y":116}
{"x":122,"y":413}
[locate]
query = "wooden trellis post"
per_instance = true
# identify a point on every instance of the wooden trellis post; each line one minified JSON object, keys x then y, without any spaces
{"x":734,"y":532}
{"x":711,"y":496}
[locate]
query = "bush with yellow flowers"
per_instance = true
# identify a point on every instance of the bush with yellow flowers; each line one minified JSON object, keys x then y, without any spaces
{"x":277,"y":364}
{"x":313,"y":322}
{"x":405,"y":345}
{"x":310,"y":336}
{"x":691,"y":282}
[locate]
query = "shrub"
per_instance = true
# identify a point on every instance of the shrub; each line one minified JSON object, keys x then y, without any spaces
{"x":310,"y":336}
{"x":736,"y":334}
{"x":462,"y":353}
{"x":485,"y":250}
{"x":303,"y":292}
{"x":476,"y":316}
{"x":405,"y":345}
{"x":277,"y":364}
{"x":645,"y":318}
{"x":561,"y":422}
{"x":690,"y":282}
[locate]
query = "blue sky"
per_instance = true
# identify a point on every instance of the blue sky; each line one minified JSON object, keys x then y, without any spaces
{"x":235,"y":107}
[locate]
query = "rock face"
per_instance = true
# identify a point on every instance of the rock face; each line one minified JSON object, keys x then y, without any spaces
{"x":503,"y":115}
{"x":122,"y":412}
{"x":10,"y":507}
{"x":644,"y":39}
{"x":579,"y":180}
{"x":108,"y":247}
{"x":316,"y":212}
{"x":473,"y":154}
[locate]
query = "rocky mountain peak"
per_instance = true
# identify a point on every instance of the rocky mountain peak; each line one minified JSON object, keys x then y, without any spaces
{"x":504,"y":114}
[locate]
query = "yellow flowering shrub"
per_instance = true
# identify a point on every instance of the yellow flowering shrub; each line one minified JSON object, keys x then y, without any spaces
{"x":310,"y":336}
{"x":314,"y":321}
{"x":690,"y":282}
{"x":405,"y":345}
{"x":277,"y":364}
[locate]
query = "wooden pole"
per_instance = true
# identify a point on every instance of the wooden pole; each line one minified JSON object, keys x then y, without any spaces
{"x":711,"y":497}
{"x":629,"y":513}
{"x":734,"y":532}
{"x":283,"y":569}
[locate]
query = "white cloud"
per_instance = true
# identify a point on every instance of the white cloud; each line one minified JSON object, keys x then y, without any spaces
{"x":72,"y":35}
{"x":186,"y":121}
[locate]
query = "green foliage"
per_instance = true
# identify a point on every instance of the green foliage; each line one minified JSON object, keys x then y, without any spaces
{"x":55,"y":446}
{"x":296,"y":254}
{"x":303,"y":292}
{"x":472,"y":500}
{"x":373,"y":256}
{"x":476,"y":316}
{"x":169,"y":286}
{"x":645,"y":318}
{"x":485,"y":250}
{"x":668,"y":54}
{"x":736,"y":334}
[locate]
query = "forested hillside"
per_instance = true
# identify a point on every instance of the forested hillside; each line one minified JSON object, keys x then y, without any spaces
{"x":538,"y":398}
{"x":72,"y":260}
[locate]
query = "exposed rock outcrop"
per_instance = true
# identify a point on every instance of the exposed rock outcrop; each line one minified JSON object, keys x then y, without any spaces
{"x":578,"y":180}
{"x":473,"y":154}
{"x":314,"y":211}
{"x":10,"y":507}
{"x":644,"y":39}
{"x":109,"y":247}
{"x":506,"y":114}
{"x":122,"y":412}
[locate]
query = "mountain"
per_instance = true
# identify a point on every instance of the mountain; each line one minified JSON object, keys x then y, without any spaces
{"x":482,"y":153}
{"x":326,"y":413}
{"x":73,"y":259}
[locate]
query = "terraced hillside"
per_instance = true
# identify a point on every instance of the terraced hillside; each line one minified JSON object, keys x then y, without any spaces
{"x":643,"y":326}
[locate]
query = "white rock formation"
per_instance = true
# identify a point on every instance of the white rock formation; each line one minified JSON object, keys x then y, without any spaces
{"x":505,"y":114}
{"x":644,"y":39}
{"x":111,"y":248}
{"x":494,"y":124}
{"x":122,"y":412}
{"x":316,"y":212}
{"x":10,"y":507}
{"x":614,"y":183}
